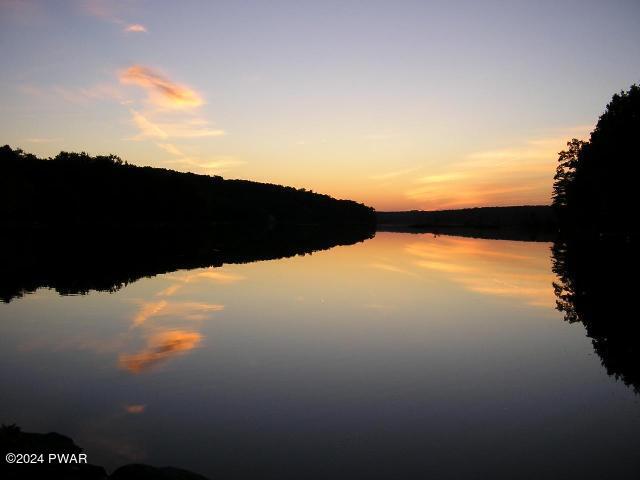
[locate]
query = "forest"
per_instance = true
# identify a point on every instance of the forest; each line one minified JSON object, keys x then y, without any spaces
{"x":596,"y":181}
{"x":76,"y":189}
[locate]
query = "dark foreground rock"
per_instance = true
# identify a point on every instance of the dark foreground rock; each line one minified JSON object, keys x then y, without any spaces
{"x":34,"y":445}
{"x":137,"y":471}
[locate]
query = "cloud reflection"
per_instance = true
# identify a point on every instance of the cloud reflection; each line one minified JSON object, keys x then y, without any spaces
{"x":150,"y":319}
{"x":388,"y":267}
{"x":184,"y":310}
{"x":135,"y":409}
{"x":160,"y":347}
{"x":216,"y":275}
{"x":497,"y":268}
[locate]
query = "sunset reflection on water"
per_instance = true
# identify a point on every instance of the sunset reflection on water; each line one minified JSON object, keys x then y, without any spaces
{"x":401,"y":348}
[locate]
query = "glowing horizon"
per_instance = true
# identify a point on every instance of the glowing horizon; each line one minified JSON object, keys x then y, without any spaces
{"x":417,"y":105}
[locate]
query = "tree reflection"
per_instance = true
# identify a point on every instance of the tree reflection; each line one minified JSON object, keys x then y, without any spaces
{"x":79,"y":261}
{"x":596,"y":286}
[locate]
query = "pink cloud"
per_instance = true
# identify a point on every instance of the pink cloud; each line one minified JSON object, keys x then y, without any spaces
{"x":161,"y":91}
{"x":136,"y":28}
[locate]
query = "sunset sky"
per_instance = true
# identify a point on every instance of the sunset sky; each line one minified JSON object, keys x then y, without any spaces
{"x":397,"y":104}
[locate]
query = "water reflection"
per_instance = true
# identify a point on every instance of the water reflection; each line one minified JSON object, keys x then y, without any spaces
{"x":161,"y":342}
{"x":160,"y":347}
{"x":403,"y":356}
{"x":184,"y":310}
{"x":77,"y":262}
{"x":596,"y":286}
{"x":135,"y":409}
{"x":497,"y":268}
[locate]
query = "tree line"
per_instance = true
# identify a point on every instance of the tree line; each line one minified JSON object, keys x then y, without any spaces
{"x":596,"y":181}
{"x":80,"y":189}
{"x":595,"y":257}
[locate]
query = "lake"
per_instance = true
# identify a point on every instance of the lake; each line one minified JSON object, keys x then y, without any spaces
{"x":402,"y":356}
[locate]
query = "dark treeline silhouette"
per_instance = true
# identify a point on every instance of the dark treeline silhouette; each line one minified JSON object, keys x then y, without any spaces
{"x":14,"y":440}
{"x":531,"y":222}
{"x":596,"y":257}
{"x":78,"y":189}
{"x":596,"y":287}
{"x":80,"y":260}
{"x":596,"y":182}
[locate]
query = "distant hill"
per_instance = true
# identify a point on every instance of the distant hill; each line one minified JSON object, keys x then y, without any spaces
{"x":80,"y":190}
{"x":522,"y":222}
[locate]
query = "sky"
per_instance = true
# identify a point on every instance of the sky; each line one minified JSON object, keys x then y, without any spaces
{"x":398,"y":104}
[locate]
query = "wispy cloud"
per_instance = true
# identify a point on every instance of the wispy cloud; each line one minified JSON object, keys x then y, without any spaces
{"x":75,"y":95}
{"x":170,"y":148}
{"x":168,"y":112}
{"x":98,"y":8}
{"x":106,"y":11}
{"x":32,"y":90}
{"x":171,"y":112}
{"x":516,"y":174}
{"x":218,"y":165}
{"x":394,"y":173}
{"x":530,"y":155}
{"x":208,"y":165}
{"x":135,"y":28}
{"x":161,"y":91}
{"x":24,"y":12}
{"x":146,"y":128}
{"x":43,"y":139}
{"x":196,"y":128}
{"x":189,"y":128}
{"x":474,"y":193}
{"x":101,"y":91}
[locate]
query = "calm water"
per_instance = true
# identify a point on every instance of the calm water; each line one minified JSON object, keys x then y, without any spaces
{"x":402,"y":355}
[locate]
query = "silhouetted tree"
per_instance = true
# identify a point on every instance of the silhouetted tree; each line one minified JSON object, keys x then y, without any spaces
{"x":564,"y":179}
{"x":596,"y":181}
{"x":596,"y":192}
{"x":80,"y":190}
{"x":78,"y":223}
